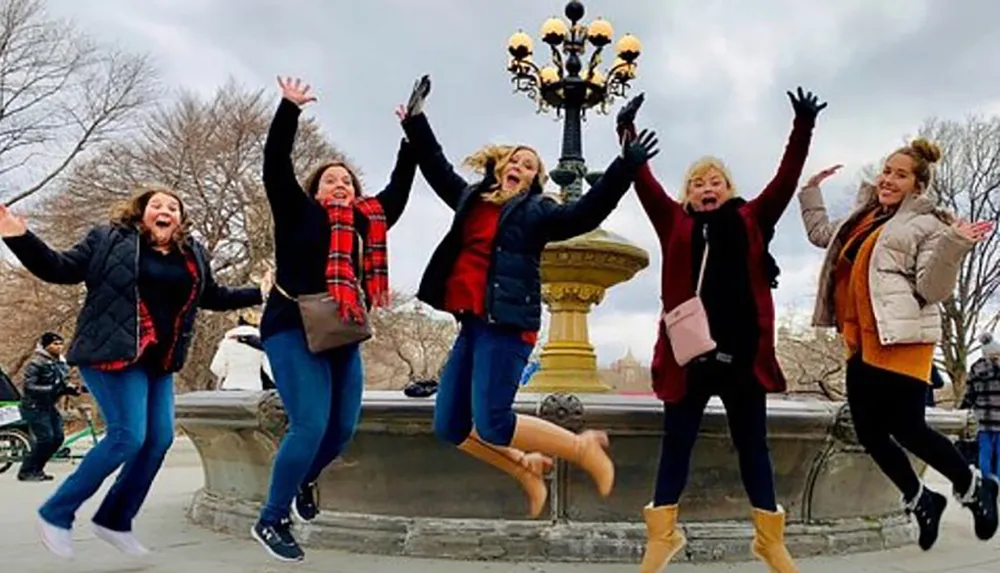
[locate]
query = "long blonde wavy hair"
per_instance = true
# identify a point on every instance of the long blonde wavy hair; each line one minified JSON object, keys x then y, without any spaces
{"x":502,"y":155}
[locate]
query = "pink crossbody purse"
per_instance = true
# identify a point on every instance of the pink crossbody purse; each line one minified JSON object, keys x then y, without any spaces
{"x":687,"y":324}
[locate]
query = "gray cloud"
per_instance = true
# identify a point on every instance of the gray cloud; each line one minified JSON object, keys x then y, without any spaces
{"x":715,"y":76}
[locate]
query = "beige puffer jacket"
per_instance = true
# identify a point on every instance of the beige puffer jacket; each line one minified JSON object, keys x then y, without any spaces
{"x":914,"y":266}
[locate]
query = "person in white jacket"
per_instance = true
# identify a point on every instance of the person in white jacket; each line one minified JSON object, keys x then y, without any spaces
{"x":240,"y":362}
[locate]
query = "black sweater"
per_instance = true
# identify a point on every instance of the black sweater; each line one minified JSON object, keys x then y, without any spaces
{"x":301,"y":226}
{"x":725,"y":292}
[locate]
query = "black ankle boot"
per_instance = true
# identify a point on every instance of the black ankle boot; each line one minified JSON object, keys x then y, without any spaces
{"x":981,"y":500}
{"x":927,"y":509}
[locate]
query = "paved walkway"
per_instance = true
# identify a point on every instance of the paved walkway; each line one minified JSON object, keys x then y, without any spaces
{"x":179,"y":547}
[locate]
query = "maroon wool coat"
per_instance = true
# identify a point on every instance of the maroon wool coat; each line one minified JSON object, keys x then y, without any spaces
{"x":674,"y":227}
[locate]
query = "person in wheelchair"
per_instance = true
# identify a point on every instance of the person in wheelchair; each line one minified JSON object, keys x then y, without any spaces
{"x":44,"y":383}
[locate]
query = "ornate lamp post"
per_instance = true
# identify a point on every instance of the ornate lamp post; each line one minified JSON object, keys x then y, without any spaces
{"x":576,"y":273}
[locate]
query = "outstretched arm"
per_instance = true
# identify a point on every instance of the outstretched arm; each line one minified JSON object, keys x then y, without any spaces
{"x":940,"y":255}
{"x":218,"y":297}
{"x":65,"y":267}
{"x":397,"y":193}
{"x":282,"y":188}
{"x":773,"y":200}
{"x":816,"y":220}
{"x":561,"y":222}
{"x":660,"y":208}
{"x":434,"y":165}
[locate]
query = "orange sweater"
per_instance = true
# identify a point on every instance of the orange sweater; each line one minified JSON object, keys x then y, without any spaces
{"x":855,"y":317}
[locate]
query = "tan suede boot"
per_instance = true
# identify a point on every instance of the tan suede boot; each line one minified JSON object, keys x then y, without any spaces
{"x":588,"y":450}
{"x":769,"y":541}
{"x":663,"y":539}
{"x":527,"y":469}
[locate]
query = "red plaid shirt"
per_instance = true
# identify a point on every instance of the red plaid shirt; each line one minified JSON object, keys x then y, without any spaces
{"x":147,"y":331}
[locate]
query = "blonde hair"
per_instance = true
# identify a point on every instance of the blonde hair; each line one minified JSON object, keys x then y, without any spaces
{"x":702,"y":166}
{"x":925,"y":154}
{"x":502,"y":155}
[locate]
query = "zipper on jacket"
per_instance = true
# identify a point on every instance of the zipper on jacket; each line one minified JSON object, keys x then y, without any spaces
{"x":138,"y":317}
{"x":491,"y":269}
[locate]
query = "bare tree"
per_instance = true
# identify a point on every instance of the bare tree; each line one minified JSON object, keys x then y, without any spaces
{"x":410,"y":343}
{"x":210,"y":151}
{"x":967,"y":181}
{"x":60,"y":93}
{"x":812,"y":359}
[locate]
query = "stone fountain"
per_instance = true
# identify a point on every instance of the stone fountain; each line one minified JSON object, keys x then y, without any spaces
{"x":397,"y":490}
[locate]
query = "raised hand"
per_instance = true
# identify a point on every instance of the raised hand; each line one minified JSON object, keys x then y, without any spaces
{"x":266,"y":282}
{"x":10,"y":224}
{"x":818,"y":178}
{"x":637,"y":150}
{"x":974,"y":232}
{"x":295,"y":92}
{"x":626,"y":115}
{"x":805,"y":104}
{"x":421,"y":88}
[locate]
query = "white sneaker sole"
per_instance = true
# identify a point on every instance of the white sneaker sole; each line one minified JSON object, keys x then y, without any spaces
{"x":138,"y":551}
{"x":40,"y":529}
{"x":253,"y":533}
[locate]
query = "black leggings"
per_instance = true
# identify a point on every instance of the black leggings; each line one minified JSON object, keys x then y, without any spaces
{"x":888,"y":411}
{"x":746,"y":411}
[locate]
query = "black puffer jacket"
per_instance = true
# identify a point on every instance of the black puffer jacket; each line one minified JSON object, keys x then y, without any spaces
{"x":527,"y":223}
{"x":44,"y":381}
{"x":107,"y":261}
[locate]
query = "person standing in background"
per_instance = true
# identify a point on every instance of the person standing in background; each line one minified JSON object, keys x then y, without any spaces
{"x":240,"y":362}
{"x":983,"y":396}
{"x":44,"y":383}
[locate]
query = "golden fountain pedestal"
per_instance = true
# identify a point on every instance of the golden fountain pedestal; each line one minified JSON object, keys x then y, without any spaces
{"x":575,"y":275}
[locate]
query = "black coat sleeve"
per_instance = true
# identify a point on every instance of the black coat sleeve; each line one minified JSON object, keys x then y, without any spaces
{"x":58,"y":267}
{"x":559,"y":222}
{"x":283,"y":191}
{"x":40,"y":380}
{"x":397,"y":192}
{"x":217,"y":297}
{"x":434,"y":165}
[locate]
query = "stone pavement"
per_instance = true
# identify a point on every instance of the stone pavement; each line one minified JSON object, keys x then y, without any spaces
{"x":181,"y":547}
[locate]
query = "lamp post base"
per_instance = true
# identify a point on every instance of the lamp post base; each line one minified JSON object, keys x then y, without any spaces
{"x":575,"y":275}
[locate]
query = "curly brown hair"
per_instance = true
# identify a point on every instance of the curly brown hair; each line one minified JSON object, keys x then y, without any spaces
{"x":129,"y":213}
{"x":312,"y":182}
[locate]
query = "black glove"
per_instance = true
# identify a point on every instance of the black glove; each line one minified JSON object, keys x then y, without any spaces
{"x":626,"y":115}
{"x":489,"y":176}
{"x":638,"y":150}
{"x":421,"y":88}
{"x":806,"y":105}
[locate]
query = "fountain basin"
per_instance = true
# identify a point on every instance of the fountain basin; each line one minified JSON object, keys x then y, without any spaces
{"x":397,"y":490}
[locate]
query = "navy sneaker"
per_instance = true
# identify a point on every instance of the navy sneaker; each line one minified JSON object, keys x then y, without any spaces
{"x":277,"y":540}
{"x":304,"y":505}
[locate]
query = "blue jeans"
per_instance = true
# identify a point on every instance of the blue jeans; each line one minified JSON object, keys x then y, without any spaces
{"x":138,"y":409}
{"x":479,"y":382}
{"x":989,"y":452}
{"x":321,"y":394}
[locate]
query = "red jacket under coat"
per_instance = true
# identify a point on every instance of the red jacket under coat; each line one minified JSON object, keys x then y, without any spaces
{"x":674,"y":228}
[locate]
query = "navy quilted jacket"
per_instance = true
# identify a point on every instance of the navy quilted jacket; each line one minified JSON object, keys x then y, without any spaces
{"x":107,"y":261}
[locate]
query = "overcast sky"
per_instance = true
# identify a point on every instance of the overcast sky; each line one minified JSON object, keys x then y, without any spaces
{"x":714,"y":73}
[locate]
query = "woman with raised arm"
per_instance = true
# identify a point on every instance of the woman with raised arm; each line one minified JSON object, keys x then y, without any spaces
{"x":330,"y":241}
{"x":888,"y":265}
{"x":146,"y":278}
{"x":716,"y":335}
{"x":486,"y":273}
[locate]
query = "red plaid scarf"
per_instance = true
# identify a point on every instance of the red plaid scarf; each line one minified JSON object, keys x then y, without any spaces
{"x":341,"y":282}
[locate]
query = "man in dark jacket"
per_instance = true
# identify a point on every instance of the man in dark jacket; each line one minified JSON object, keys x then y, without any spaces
{"x":44,"y":383}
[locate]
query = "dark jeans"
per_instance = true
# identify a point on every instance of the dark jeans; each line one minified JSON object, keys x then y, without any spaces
{"x":746,"y":411}
{"x":47,"y":429}
{"x":321,"y":394}
{"x":479,"y":382}
{"x":888,"y":411}
{"x":139,"y":411}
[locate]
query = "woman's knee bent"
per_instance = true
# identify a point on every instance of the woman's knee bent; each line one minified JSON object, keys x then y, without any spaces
{"x":451,"y":430}
{"x":496,"y":429}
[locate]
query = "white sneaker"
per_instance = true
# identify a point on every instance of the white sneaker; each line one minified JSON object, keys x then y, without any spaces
{"x":56,"y":539}
{"x":123,"y":541}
